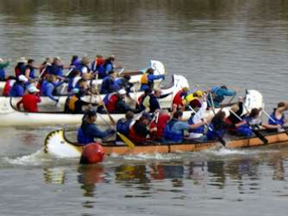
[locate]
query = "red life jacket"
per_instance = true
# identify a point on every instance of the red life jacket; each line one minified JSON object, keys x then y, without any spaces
{"x":7,"y":87}
{"x":161,"y":124}
{"x":111,"y":105}
{"x":135,"y":137}
{"x":30,"y":102}
{"x":178,"y":99}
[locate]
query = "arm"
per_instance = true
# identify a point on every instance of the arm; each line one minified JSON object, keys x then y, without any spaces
{"x":152,"y":77}
{"x":19,"y":103}
{"x":49,"y":91}
{"x":4,"y":64}
{"x":227,"y":92}
{"x":96,"y":133}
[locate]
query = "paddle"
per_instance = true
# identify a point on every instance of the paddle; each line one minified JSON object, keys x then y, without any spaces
{"x":221,"y":140}
{"x":128,"y":142}
{"x":256,"y":132}
{"x":274,"y":121}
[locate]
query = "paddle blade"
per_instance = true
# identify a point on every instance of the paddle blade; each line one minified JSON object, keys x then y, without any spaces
{"x":260,"y":136}
{"x":127,"y":141}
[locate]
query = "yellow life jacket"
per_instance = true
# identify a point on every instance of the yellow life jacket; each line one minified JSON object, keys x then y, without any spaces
{"x":72,"y":101}
{"x":144,"y":78}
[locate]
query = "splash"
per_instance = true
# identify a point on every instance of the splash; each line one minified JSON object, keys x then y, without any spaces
{"x":157,"y":156}
{"x":35,"y":159}
{"x":231,"y":152}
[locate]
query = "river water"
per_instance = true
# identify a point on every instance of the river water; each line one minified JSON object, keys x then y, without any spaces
{"x":243,"y":44}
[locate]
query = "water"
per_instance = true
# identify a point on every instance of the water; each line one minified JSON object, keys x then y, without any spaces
{"x":242,"y":44}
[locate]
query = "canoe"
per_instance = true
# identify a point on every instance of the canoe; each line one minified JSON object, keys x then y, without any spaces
{"x":10,"y":116}
{"x":178,"y":82}
{"x":135,"y":76}
{"x":57,"y":145}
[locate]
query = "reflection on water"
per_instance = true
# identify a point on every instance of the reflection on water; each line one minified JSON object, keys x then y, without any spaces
{"x":246,"y":174}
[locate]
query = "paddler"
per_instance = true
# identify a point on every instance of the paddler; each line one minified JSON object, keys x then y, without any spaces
{"x":49,"y":87}
{"x":19,"y":86}
{"x":3,"y":65}
{"x":147,"y":79}
{"x":108,"y":84}
{"x":30,"y":101}
{"x":175,"y":128}
{"x":150,"y":101}
{"x":277,"y":118}
{"x":115,"y":102}
{"x":178,"y":100}
{"x":89,"y":131}
{"x":30,"y":69}
{"x":218,"y":95}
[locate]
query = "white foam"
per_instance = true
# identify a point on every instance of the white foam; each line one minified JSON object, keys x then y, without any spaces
{"x":36,"y":158}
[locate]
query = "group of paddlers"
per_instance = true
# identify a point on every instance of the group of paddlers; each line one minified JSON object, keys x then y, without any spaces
{"x":155,"y":124}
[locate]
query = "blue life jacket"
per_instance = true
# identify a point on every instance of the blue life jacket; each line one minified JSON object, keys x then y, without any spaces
{"x":32,"y":71}
{"x":17,"y":90}
{"x":107,"y":85}
{"x":276,"y":121}
{"x":2,"y":74}
{"x":123,"y":126}
{"x":55,"y":70}
{"x":82,"y":138}
{"x":169,"y":134}
{"x":213,"y":134}
{"x":244,"y":130}
{"x":200,"y":129}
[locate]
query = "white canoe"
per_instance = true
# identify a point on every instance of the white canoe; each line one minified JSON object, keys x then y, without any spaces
{"x":135,"y":76}
{"x":168,"y":93}
{"x":9,"y":116}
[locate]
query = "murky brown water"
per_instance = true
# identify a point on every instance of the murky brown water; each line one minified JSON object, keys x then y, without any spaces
{"x":243,"y":44}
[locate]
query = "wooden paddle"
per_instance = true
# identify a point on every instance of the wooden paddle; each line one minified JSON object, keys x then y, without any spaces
{"x":256,"y":132}
{"x":127,"y":141}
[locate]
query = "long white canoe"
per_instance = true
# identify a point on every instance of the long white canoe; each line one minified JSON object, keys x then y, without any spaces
{"x":178,"y":82}
{"x":135,"y":76}
{"x":9,"y":116}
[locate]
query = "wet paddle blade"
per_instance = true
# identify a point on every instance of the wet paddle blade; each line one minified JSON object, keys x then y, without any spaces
{"x":260,"y":136}
{"x":127,"y":141}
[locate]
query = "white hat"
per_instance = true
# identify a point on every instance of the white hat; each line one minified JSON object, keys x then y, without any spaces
{"x":22,"y":60}
{"x":23,"y":78}
{"x":122,"y":92}
{"x":32,"y":89}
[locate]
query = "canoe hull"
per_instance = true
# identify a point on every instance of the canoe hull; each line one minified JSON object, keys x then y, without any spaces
{"x":57,"y":145}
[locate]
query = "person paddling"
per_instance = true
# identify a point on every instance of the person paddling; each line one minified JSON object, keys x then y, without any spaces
{"x":30,"y":101}
{"x":277,"y":118}
{"x":3,"y":65}
{"x":218,"y":95}
{"x":147,"y":79}
{"x":18,"y":88}
{"x":123,"y":126}
{"x":89,"y":130}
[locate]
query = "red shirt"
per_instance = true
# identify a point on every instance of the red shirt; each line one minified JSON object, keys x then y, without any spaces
{"x":30,"y":103}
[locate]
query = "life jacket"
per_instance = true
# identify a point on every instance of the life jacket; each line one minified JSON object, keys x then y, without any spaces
{"x":107,"y":85}
{"x":215,"y":96}
{"x":7,"y":87}
{"x":178,"y":98}
{"x":169,"y":134}
{"x":200,"y":129}
{"x":123,"y":126}
{"x":276,"y":121}
{"x":113,"y":99}
{"x":161,"y":124}
{"x":32,"y":71}
{"x":82,"y":138}
{"x":213,"y":134}
{"x":20,"y":69}
{"x":244,"y":130}
{"x":71,"y":102}
{"x":135,"y":137}
{"x":2,"y":74}
{"x":144,"y":79}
